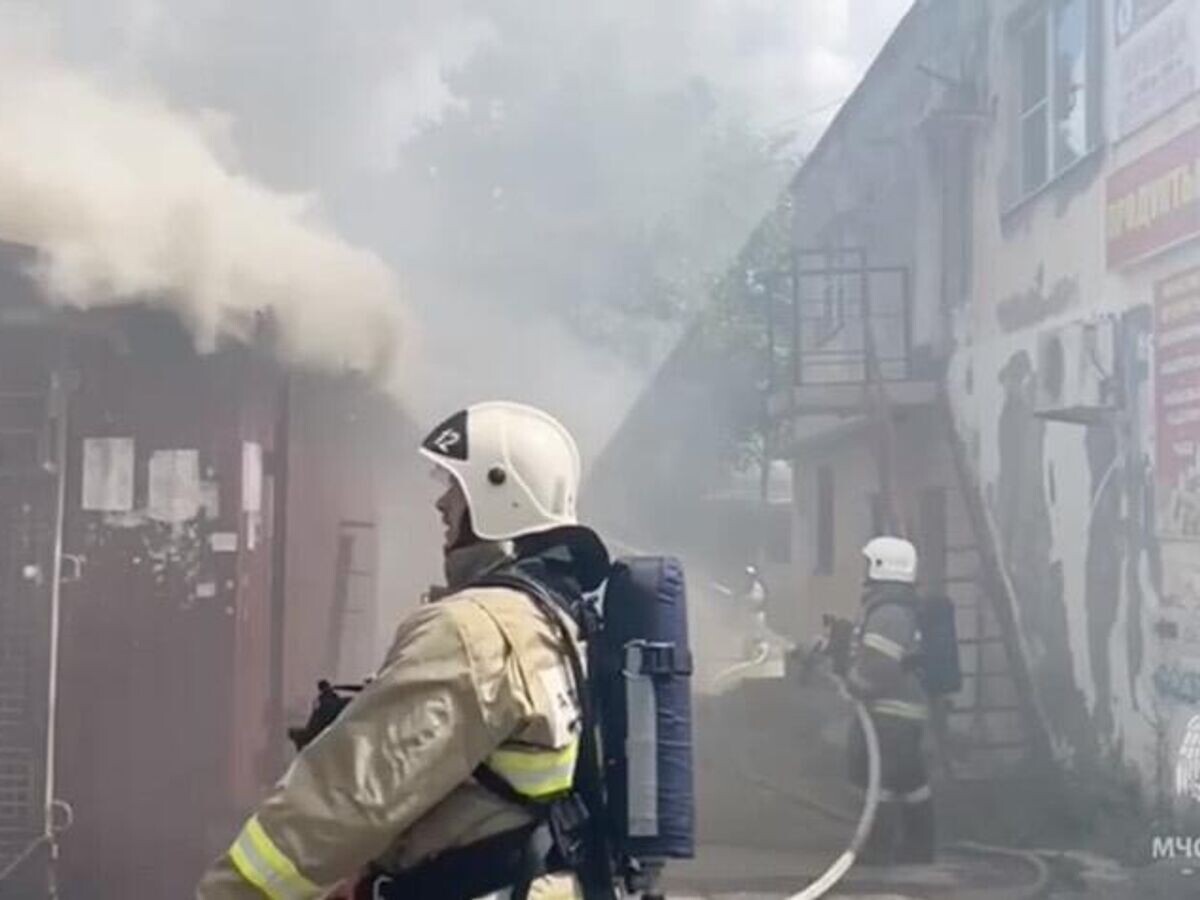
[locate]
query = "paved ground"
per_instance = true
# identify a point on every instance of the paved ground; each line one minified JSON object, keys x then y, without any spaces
{"x":739,"y":872}
{"x":732,"y":873}
{"x":775,"y":811}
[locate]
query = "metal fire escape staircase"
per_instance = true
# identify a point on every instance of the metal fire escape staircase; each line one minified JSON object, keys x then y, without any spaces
{"x":838,"y":369}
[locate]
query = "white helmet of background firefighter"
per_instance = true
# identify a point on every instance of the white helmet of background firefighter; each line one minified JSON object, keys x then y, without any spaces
{"x":891,"y":559}
{"x":517,"y":466}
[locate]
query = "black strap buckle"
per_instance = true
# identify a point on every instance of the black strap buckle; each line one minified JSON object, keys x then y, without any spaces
{"x":379,"y":888}
{"x":657,"y":659}
{"x":588,"y":618}
{"x":567,"y":818}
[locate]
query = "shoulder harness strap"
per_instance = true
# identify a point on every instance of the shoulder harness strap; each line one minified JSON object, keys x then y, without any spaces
{"x":586,"y":817}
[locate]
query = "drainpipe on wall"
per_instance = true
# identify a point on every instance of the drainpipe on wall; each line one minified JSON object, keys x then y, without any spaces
{"x":765,"y":425}
{"x":881,"y":411}
{"x":59,"y":387}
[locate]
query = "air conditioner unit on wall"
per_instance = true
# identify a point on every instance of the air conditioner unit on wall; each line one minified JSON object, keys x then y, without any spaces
{"x":1077,"y":371}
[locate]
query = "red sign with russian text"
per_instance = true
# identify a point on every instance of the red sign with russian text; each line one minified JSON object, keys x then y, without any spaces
{"x":1154,"y":202}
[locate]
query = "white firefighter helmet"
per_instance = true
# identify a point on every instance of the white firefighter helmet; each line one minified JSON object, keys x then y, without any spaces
{"x":518,"y":467}
{"x":891,"y":559}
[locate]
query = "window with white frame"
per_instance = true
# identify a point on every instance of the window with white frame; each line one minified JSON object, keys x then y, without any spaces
{"x":1056,"y":89}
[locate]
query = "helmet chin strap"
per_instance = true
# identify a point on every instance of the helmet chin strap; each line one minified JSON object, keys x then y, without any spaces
{"x":466,"y":533}
{"x":468,"y":562}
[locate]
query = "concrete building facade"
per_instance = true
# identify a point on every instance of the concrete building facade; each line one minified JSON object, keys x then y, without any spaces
{"x":1030,"y":168}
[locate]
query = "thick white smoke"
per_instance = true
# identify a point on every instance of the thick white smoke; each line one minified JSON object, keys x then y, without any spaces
{"x":515,"y":161}
{"x":123,"y":198}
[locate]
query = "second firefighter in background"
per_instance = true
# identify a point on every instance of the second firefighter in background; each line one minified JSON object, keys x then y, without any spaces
{"x":882,"y":676}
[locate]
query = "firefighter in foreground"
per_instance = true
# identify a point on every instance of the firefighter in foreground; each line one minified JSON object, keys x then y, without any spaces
{"x":882,"y":675}
{"x":425,"y":784}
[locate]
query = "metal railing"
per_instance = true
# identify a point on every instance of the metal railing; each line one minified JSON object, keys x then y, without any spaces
{"x":838,"y":310}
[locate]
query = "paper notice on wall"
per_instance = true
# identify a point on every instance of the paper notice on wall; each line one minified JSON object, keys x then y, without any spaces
{"x":252,"y":476}
{"x":224,"y":542}
{"x":108,"y":474}
{"x":174,"y":485}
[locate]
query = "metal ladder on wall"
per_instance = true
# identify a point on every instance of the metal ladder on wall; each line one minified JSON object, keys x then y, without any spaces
{"x":993,"y":724}
{"x":984,"y":720}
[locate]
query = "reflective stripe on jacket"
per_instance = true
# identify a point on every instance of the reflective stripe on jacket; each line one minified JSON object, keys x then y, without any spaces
{"x":261,"y":863}
{"x":536,"y":773}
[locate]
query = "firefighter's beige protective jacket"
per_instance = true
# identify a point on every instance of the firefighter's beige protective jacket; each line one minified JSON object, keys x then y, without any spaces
{"x":477,"y":676}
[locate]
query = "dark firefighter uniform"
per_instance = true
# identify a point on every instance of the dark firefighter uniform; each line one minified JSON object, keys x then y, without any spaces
{"x":903,"y":831}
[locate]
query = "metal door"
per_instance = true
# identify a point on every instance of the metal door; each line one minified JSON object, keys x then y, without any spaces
{"x":28,"y":491}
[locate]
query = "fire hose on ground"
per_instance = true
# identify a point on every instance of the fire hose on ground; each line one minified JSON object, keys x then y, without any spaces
{"x":845,"y":861}
{"x":761,"y":654}
{"x":842,"y":865}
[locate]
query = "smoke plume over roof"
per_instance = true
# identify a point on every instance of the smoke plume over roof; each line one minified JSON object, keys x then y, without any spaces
{"x":555,"y":184}
{"x":124,"y":198}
